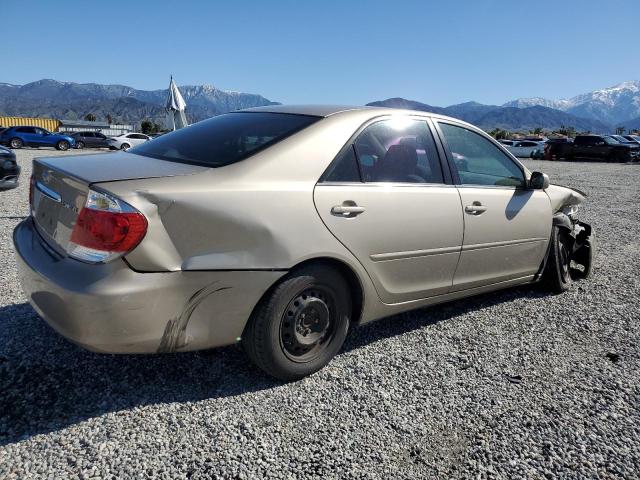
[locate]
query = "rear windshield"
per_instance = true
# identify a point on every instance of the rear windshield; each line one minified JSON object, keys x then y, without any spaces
{"x":224,"y":139}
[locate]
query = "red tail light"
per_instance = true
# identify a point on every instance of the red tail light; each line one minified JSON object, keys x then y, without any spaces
{"x":106,"y":228}
{"x":108,"y":231}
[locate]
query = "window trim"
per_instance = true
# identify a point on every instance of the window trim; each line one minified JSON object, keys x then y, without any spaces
{"x":454,"y":169}
{"x":447,"y":178}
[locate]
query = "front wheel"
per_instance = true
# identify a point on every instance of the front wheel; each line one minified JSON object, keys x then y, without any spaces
{"x":62,"y":145}
{"x":80,"y":145}
{"x":301,"y":325}
{"x":557,"y":274}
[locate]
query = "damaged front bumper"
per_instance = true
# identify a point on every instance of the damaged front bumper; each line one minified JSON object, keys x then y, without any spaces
{"x":111,"y":308}
{"x":583,"y":250}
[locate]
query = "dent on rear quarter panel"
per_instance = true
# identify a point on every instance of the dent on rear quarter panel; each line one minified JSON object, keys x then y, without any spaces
{"x":254,"y":214}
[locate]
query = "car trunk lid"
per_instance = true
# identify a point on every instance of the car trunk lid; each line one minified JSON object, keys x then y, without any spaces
{"x":60,"y":186}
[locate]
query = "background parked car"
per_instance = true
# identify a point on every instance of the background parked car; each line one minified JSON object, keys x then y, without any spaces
{"x":507,"y":143}
{"x":554,"y":147}
{"x":524,"y":148}
{"x":9,"y":169}
{"x":622,"y":139}
{"x":599,"y":147}
{"x":90,"y":140}
{"x":633,"y":138}
{"x":18,"y":137}
{"x":127,"y":140}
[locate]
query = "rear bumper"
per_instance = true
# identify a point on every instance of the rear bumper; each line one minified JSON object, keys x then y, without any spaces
{"x":111,"y":308}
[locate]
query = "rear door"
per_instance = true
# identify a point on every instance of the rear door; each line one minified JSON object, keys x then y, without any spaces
{"x":89,"y":139}
{"x":506,"y":225}
{"x":386,"y":198}
{"x":28,"y":136}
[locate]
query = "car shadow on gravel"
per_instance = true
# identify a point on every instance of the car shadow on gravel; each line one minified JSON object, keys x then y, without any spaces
{"x":48,"y":383}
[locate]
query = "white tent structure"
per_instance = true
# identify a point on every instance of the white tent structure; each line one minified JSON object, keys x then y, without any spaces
{"x":175,"y":106}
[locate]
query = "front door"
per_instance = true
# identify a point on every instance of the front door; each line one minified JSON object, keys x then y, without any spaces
{"x":506,"y":225}
{"x":385,"y":200}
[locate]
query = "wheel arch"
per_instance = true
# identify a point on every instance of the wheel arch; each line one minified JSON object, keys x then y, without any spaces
{"x":355,"y":284}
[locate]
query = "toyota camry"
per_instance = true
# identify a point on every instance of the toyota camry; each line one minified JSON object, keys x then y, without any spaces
{"x":282,"y":227}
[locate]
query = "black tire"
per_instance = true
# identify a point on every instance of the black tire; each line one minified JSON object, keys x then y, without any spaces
{"x":125,"y":147}
{"x":16,"y":143}
{"x":557,"y":273}
{"x":301,"y":324}
{"x":62,"y":145}
{"x":80,"y":145}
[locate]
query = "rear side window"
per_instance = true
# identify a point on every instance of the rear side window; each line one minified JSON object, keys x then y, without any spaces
{"x":398,"y":150}
{"x":225,"y":139}
{"x":478,"y":161}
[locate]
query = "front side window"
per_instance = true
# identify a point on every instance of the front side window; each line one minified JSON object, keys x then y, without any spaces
{"x":225,"y":139}
{"x":478,"y":161}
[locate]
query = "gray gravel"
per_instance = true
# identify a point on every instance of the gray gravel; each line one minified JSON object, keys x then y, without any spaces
{"x":507,"y":385}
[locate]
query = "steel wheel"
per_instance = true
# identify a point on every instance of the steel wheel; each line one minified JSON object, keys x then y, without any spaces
{"x":301,"y":323}
{"x":308,"y":324}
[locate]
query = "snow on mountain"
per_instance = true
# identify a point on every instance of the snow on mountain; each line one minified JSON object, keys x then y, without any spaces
{"x":611,"y":105}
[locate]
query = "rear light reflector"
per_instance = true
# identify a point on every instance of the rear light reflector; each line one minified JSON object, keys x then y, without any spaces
{"x":106,"y":228}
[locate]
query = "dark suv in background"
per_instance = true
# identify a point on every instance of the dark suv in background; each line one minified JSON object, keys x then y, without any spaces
{"x":597,"y":147}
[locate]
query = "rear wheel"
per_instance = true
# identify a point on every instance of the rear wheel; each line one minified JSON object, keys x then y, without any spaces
{"x":557,"y":274}
{"x":125,"y":147}
{"x":16,"y":143}
{"x":301,"y":325}
{"x":62,"y":145}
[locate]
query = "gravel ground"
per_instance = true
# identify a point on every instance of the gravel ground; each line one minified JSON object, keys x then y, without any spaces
{"x":507,"y":385}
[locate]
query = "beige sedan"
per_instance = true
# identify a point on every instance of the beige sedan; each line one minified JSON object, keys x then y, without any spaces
{"x":282,"y":227}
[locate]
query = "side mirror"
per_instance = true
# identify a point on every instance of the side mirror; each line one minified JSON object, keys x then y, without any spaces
{"x":539,"y":181}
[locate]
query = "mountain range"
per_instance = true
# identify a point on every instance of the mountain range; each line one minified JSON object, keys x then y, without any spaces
{"x":69,"y":100}
{"x":598,"y":111}
{"x":489,"y":117}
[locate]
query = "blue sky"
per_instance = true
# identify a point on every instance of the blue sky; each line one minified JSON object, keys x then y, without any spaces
{"x":352,"y":52}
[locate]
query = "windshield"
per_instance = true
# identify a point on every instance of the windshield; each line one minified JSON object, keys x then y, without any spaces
{"x":611,"y":140}
{"x":224,"y":139}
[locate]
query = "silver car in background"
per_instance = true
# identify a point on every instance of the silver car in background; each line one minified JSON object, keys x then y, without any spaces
{"x":525,"y":148}
{"x":281,"y":227}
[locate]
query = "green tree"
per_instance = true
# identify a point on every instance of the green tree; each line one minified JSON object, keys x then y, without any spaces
{"x":499,"y":133}
{"x":90,"y":117}
{"x":146,"y":126}
{"x":109,"y":119}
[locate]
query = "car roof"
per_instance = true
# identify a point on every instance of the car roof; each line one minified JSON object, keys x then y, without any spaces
{"x":314,"y":110}
{"x":328,"y":110}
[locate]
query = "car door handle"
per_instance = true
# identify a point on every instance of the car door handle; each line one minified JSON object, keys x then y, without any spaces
{"x":347,"y":209}
{"x":475,"y":209}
